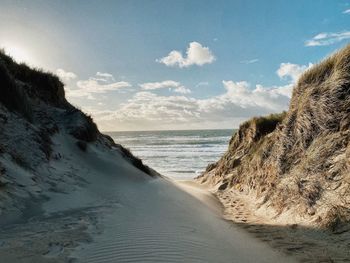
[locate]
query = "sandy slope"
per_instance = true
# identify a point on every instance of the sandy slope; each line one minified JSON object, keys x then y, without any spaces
{"x":304,"y":243}
{"x":201,"y":193}
{"x":118,"y":214}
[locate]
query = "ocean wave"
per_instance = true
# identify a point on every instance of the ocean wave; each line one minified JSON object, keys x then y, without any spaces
{"x":177,"y":154}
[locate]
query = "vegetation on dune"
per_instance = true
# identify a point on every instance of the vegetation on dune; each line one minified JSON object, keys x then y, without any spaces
{"x":39,"y":84}
{"x":297,"y":162}
{"x":39,"y":97}
{"x":23,"y":89}
{"x":137,"y":162}
{"x":12,"y":96}
{"x":261,"y":125}
{"x":81,"y":125}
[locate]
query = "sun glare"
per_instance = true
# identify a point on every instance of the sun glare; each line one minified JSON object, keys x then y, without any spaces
{"x":19,"y":54}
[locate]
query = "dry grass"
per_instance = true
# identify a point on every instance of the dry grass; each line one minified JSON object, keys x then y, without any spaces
{"x":40,"y":84}
{"x":299,"y":161}
{"x":22,"y":88}
{"x":83,"y":127}
{"x":11,"y":96}
{"x":137,"y":162}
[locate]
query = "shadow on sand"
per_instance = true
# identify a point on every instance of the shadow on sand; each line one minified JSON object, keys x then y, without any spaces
{"x":303,"y":243}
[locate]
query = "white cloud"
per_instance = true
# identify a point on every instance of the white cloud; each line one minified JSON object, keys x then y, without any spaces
{"x":251,"y":61}
{"x":94,"y":86}
{"x":291,"y":71}
{"x":347,"y":11}
{"x":182,"y":90}
{"x":65,"y":76}
{"x":147,"y":110}
{"x":326,"y":39}
{"x":170,"y":84}
{"x":196,"y":55}
{"x":104,"y":75}
{"x":102,"y":84}
{"x":240,"y":100}
{"x":159,"y":85}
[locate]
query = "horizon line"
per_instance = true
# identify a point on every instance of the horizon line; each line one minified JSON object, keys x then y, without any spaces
{"x":105,"y":131}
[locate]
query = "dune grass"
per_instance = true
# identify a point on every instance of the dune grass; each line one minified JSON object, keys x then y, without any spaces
{"x":298,"y":162}
{"x":40,"y":83}
{"x":12,"y":96}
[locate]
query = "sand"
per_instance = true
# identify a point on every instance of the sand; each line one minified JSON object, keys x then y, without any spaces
{"x":302,"y":242}
{"x":168,"y":225}
{"x":119,"y":214}
{"x":201,"y":193}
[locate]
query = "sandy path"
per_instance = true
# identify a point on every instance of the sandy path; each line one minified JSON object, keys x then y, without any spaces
{"x":150,"y":221}
{"x":302,"y":243}
{"x":162,"y":223}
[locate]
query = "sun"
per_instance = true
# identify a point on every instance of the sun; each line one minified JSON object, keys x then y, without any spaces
{"x":19,"y":54}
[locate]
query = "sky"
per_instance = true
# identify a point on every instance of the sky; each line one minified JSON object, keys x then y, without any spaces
{"x":162,"y":65}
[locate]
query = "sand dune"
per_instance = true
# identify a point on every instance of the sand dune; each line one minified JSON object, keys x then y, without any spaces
{"x":121,"y":215}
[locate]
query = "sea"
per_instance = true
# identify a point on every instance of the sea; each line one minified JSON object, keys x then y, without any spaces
{"x":178,"y":154}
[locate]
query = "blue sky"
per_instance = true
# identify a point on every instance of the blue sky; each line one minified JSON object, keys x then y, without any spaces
{"x":125,"y":62}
